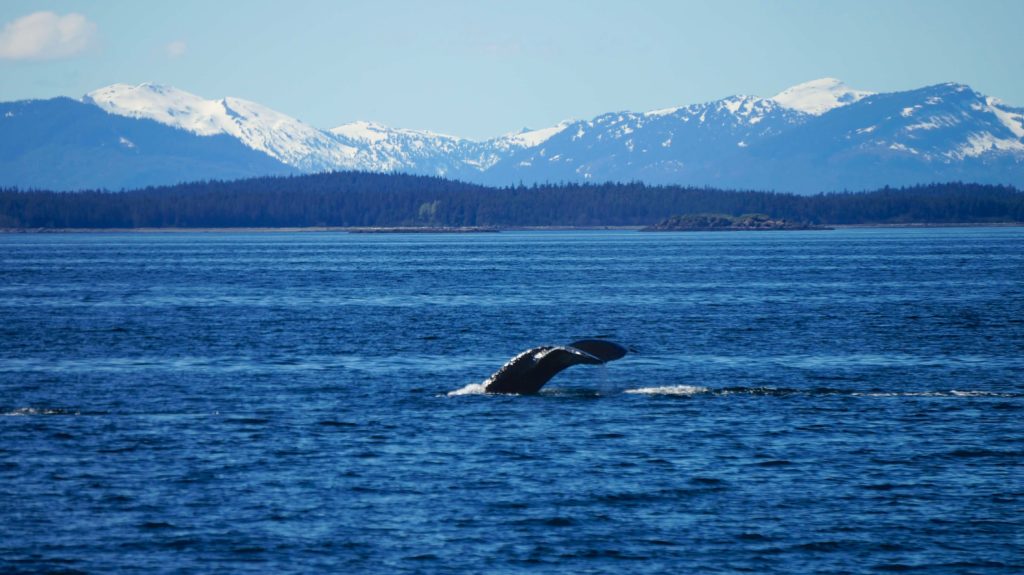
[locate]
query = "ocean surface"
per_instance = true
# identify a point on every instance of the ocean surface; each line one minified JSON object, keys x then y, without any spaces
{"x":846,"y":401}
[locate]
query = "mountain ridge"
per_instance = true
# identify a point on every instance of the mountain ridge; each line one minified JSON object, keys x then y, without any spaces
{"x":64,"y":144}
{"x":815,"y":136}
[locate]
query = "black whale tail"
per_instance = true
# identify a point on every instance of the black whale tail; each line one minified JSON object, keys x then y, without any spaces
{"x":531,"y":369}
{"x":603,"y":350}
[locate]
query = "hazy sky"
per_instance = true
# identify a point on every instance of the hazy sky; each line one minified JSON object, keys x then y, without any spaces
{"x":479,"y":68}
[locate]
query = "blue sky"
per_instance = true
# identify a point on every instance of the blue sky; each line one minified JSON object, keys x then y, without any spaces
{"x":480,"y":68}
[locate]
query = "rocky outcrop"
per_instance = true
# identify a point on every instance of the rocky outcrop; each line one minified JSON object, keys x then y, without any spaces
{"x":721,"y":222}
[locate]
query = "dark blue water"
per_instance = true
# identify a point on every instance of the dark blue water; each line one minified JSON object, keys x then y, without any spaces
{"x":831,"y":402}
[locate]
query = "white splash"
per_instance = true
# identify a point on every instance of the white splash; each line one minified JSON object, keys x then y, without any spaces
{"x":670,"y":390}
{"x":471,"y":389}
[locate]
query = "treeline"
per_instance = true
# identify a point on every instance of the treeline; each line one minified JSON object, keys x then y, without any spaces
{"x":367,"y":199}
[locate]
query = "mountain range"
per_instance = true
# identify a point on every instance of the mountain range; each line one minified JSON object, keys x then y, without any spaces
{"x":817,"y":136}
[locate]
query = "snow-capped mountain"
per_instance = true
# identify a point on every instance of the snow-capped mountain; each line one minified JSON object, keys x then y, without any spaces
{"x":943,"y":124}
{"x":358,"y":145}
{"x":383,"y":149}
{"x":389,"y":149}
{"x":65,"y":144}
{"x":817,"y":136}
{"x":279,"y":136}
{"x":660,"y":146}
{"x":937,"y":133}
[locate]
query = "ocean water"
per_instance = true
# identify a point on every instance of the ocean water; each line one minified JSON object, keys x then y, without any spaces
{"x":849,"y":401}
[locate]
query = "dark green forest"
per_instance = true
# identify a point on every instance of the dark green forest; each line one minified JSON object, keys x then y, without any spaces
{"x":357,"y":199}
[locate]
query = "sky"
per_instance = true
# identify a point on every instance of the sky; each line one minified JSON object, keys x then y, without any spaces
{"x":480,"y":68}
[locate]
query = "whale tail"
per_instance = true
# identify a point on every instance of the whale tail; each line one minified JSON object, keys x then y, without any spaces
{"x":530,"y":370}
{"x":601,"y":349}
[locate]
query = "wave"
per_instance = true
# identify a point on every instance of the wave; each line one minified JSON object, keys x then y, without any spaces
{"x":950,"y":393}
{"x":692,"y":390}
{"x":405,"y":363}
{"x":698,"y":390}
{"x":39,"y":411}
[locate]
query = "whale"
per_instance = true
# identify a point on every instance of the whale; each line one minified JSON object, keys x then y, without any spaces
{"x":527,"y":372}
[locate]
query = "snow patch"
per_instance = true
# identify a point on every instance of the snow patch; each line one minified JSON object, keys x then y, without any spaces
{"x":1013,"y":121}
{"x":902,"y":148}
{"x":533,"y":138}
{"x":934,"y":122}
{"x":662,"y":112}
{"x":819,"y":96}
{"x":980,"y":143}
{"x":372,"y":132}
{"x":362,"y":131}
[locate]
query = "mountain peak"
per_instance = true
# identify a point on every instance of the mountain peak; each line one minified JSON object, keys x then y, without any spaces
{"x":819,"y":96}
{"x":265,"y":130}
{"x":374,"y":132}
{"x":362,"y":131}
{"x":164,"y":104}
{"x":528,"y":138}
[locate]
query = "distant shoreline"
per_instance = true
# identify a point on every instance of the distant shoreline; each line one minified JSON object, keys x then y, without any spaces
{"x":423,"y":230}
{"x":310,"y":229}
{"x":441,"y":230}
{"x":930,"y":225}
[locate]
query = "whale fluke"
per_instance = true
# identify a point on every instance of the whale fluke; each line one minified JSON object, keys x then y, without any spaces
{"x":530,"y":370}
{"x":601,"y":349}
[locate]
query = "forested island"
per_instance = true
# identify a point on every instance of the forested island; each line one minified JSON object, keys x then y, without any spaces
{"x":727,"y":223}
{"x":373,"y":200}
